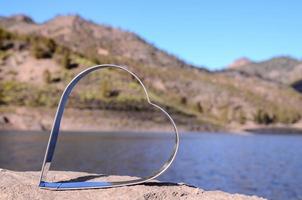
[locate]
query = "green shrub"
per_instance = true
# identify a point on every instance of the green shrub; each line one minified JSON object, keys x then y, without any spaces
{"x":242,"y":118}
{"x":12,"y":92}
{"x":63,"y":57}
{"x":95,"y":60}
{"x":5,"y":38}
{"x":183,"y":100}
{"x":39,"y":52}
{"x":105,"y":88}
{"x":288,"y":117}
{"x":262,"y":117}
{"x":48,"y":98}
{"x":199,"y":107}
{"x":51,"y":78}
{"x":1,"y":97}
{"x":4,"y":55}
{"x":47,"y":76}
{"x":5,"y":35}
{"x":66,"y":61}
{"x":42,"y":47}
{"x":22,"y":94}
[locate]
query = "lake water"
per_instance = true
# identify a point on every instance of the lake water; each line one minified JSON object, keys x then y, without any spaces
{"x":264,"y":165}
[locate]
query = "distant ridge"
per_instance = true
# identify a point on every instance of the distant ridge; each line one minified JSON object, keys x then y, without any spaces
{"x":240,"y":62}
{"x":283,"y":69}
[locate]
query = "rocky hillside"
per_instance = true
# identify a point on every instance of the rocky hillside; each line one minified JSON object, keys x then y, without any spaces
{"x":93,"y":40}
{"x":38,"y":60}
{"x":284,"y":70}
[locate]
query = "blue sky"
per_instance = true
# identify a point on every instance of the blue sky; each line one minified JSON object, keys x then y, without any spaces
{"x":205,"y":33}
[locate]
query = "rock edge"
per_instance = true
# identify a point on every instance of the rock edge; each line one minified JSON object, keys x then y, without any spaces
{"x":24,"y":185}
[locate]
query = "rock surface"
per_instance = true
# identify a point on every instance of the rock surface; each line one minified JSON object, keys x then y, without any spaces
{"x":24,"y":185}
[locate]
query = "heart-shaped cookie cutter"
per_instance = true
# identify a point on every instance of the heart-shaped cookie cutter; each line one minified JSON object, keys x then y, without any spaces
{"x":55,"y":132}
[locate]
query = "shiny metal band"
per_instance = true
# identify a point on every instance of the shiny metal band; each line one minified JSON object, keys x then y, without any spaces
{"x":55,"y":132}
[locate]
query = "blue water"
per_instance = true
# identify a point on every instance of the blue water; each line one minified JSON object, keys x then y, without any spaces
{"x":264,"y":165}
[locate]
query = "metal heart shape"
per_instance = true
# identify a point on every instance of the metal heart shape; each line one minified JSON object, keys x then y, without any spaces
{"x":56,"y":129}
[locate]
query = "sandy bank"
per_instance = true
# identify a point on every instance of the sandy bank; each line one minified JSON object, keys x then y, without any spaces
{"x":37,"y":119}
{"x":41,"y":119}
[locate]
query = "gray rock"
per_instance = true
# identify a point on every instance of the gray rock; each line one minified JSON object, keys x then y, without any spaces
{"x":24,"y":185}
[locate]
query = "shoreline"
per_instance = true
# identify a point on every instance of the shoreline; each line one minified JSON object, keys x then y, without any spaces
{"x":41,"y":119}
{"x":24,"y":119}
{"x":267,"y":131}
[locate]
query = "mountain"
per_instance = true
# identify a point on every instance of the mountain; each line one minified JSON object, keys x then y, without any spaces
{"x":239,"y":63}
{"x":92,"y":39}
{"x":38,"y":60}
{"x":284,"y":70}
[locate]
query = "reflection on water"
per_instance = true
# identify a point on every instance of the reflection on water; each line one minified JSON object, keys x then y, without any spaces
{"x":265,"y":165}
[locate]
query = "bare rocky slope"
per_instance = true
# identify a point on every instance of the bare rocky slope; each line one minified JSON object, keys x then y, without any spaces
{"x":283,"y":69}
{"x":24,"y":185}
{"x":38,"y":60}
